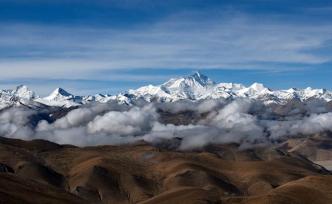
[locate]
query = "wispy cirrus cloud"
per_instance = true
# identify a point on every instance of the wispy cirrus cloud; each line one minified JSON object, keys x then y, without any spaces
{"x":187,"y":40}
{"x":240,"y":42}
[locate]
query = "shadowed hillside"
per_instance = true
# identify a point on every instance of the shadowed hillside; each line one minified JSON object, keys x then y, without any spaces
{"x":142,"y":173}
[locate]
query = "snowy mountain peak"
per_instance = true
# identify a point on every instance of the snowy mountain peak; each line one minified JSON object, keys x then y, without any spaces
{"x":59,"y":92}
{"x":291,"y":90}
{"x":193,"y":87}
{"x":197,"y":79}
{"x":189,"y":87}
{"x":60,"y":97}
{"x":202,"y":79}
{"x":198,"y":87}
{"x":23,"y":92}
{"x":258,"y":87}
{"x":320,"y":91}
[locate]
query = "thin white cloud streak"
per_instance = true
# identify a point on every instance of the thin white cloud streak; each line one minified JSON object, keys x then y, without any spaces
{"x":240,"y":42}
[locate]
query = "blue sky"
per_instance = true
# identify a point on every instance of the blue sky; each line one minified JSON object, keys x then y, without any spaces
{"x":109,"y":46}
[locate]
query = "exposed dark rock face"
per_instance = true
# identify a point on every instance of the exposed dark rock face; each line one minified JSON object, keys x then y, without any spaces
{"x":5,"y":169}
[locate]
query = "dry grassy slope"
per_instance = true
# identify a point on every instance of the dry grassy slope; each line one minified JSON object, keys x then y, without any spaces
{"x":145,"y":174}
{"x":308,"y":190}
{"x":317,"y":148}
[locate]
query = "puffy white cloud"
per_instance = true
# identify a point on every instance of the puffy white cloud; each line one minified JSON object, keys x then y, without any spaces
{"x":135,"y":121}
{"x":241,"y":121}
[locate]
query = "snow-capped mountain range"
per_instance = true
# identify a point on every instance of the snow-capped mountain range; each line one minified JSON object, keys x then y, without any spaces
{"x":193,"y":87}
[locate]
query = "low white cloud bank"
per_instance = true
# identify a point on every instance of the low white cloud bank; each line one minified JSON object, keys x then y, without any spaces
{"x":245,"y":122}
{"x":315,"y":123}
{"x":132,"y":122}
